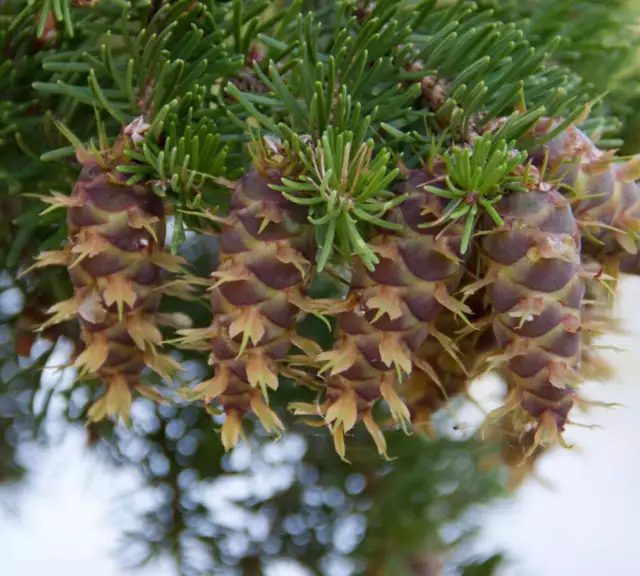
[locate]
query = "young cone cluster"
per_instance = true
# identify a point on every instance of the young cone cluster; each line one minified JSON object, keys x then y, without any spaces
{"x":606,"y":198}
{"x":391,"y":311}
{"x":266,"y":250}
{"x":536,"y":292}
{"x":114,"y":255}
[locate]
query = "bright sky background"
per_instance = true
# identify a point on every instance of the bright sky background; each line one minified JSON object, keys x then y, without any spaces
{"x":585,"y":525}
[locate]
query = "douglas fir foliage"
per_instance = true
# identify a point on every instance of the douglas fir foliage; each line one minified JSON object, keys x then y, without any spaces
{"x":325,"y":220}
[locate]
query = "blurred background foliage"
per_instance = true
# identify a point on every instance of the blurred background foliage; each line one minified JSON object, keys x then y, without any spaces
{"x":294,"y":498}
{"x":599,"y":40}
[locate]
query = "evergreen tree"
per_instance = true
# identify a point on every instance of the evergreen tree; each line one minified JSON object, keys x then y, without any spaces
{"x":320,"y":221}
